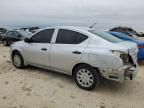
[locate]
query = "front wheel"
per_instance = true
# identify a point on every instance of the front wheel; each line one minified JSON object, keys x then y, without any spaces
{"x":86,"y":77}
{"x":18,"y":60}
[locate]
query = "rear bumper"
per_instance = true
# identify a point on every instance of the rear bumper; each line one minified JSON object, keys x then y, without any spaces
{"x":131,"y":72}
{"x":127,"y":72}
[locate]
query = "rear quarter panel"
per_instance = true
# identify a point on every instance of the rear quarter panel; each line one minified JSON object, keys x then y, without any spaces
{"x":101,"y":58}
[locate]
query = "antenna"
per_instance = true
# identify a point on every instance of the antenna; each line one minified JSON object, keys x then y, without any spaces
{"x":92,"y":25}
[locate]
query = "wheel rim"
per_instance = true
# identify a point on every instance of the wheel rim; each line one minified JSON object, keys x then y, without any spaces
{"x":17,"y":60}
{"x":85,"y":78}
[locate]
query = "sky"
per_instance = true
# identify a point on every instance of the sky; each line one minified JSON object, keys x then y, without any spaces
{"x":106,"y":13}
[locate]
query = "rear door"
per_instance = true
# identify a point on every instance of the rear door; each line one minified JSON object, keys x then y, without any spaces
{"x":67,"y":49}
{"x":37,"y":52}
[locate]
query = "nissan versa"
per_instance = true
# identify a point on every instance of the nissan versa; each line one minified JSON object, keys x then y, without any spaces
{"x":84,"y":53}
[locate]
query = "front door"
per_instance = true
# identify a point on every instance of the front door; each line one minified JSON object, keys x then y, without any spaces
{"x":38,"y":50}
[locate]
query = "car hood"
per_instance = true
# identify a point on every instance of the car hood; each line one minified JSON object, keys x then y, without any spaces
{"x":18,"y":43}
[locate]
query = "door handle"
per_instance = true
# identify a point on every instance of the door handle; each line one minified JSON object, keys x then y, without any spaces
{"x":76,"y":52}
{"x":43,"y":49}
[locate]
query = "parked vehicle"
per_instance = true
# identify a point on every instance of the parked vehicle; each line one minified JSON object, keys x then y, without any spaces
{"x":30,"y":29}
{"x":125,"y":30}
{"x":2,"y":32}
{"x":13,"y":36}
{"x":128,"y":31}
{"x":141,"y":34}
{"x":140,"y":43}
{"x":84,"y":53}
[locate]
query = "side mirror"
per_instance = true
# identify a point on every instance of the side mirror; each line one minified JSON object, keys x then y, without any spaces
{"x":27,"y":40}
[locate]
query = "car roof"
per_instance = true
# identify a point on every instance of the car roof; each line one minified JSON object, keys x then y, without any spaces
{"x":79,"y":28}
{"x":75,"y":28}
{"x":70,"y":27}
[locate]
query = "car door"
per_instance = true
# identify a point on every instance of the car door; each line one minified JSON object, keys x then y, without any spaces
{"x":67,"y":50}
{"x":38,"y":50}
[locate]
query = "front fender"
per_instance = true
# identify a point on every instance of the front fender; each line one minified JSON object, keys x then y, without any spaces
{"x":16,"y":48}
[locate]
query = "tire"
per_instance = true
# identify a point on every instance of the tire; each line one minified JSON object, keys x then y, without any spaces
{"x":86,"y":77}
{"x":18,"y":60}
{"x":5,"y":43}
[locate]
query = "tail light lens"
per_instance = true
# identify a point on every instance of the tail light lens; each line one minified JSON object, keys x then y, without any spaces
{"x":140,"y":46}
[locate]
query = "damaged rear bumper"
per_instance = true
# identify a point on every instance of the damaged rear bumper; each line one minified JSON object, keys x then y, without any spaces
{"x":130,"y":72}
{"x":124,"y":73}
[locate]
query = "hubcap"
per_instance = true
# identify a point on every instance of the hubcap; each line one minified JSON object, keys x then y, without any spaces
{"x":85,"y":78}
{"x":17,"y":60}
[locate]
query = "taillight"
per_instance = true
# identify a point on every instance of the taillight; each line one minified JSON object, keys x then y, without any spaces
{"x":125,"y":58}
{"x":140,"y":46}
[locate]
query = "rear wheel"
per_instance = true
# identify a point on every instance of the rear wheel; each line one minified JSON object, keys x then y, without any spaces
{"x":18,"y":60}
{"x":86,"y":77}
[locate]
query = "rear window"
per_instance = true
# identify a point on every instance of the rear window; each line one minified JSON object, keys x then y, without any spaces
{"x":70,"y":37}
{"x":106,"y":36}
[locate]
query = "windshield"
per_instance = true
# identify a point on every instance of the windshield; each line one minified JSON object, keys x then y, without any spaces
{"x":106,"y":36}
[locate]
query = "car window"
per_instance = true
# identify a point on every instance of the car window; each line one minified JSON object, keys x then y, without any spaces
{"x":15,"y":34}
{"x":70,"y":37}
{"x":10,"y":33}
{"x":44,"y":36}
{"x":106,"y":36}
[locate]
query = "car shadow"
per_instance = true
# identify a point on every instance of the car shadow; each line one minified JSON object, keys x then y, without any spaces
{"x":50,"y":74}
{"x":106,"y":86}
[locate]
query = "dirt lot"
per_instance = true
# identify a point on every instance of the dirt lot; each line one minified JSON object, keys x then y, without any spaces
{"x":37,"y":88}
